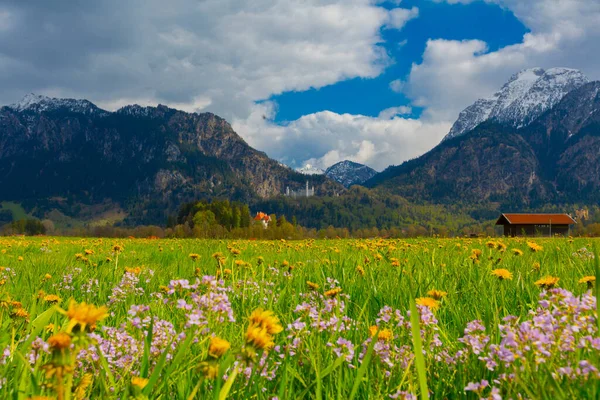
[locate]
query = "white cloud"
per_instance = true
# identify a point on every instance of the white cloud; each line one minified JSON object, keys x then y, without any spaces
{"x":220,"y":54}
{"x":391,"y":112}
{"x":397,"y":85}
{"x":453,"y":74}
{"x":400,"y":16}
{"x":324,"y":138}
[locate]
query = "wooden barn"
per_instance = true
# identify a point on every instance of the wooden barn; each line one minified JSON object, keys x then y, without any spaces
{"x":535,"y":224}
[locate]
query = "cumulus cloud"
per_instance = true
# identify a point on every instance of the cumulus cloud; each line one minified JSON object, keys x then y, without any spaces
{"x":324,"y":138}
{"x":215,"y":55}
{"x":453,"y":74}
{"x":398,"y":17}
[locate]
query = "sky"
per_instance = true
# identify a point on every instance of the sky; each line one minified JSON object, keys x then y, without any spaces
{"x":306,"y":81}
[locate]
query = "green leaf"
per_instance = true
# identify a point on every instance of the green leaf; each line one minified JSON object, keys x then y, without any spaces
{"x":418,"y":349}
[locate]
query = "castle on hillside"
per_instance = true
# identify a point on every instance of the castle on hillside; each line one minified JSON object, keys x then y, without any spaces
{"x":306,"y":192}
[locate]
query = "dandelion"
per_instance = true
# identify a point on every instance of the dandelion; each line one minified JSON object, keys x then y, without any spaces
{"x":333,"y":292}
{"x":312,"y":286}
{"x":437,"y":294}
{"x":20,"y":258}
{"x":117,"y":248}
{"x":52,"y":299}
{"x":360,"y":270}
{"x":384,"y":335}
{"x":259,"y":337}
{"x":428,"y":302}
{"x":89,"y":252}
{"x":266,"y":319}
{"x":588,"y":280}
{"x":84,"y":315}
{"x":517,"y":252}
{"x":20,"y":313}
{"x":82,"y":387}
{"x":60,"y":341}
{"x":502,"y":274}
{"x":547,"y":282}
{"x":194,"y":256}
{"x":536,"y":266}
{"x":47,"y":277}
{"x":534,"y":247}
{"x":139,"y":382}
{"x":218,"y":347}
{"x":491,"y":244}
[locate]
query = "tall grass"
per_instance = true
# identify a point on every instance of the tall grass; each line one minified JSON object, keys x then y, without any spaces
{"x":381,"y":336}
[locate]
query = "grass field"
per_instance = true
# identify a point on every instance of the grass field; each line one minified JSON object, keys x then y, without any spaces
{"x":325,"y":319}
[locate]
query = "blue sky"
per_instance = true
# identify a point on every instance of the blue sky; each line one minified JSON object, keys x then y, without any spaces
{"x":306,"y":81}
{"x":496,"y":26}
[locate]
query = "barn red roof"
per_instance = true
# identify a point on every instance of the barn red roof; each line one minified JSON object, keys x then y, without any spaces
{"x":535,"y":219}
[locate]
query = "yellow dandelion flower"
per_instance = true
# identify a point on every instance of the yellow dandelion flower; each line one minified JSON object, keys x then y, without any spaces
{"x":20,"y":313}
{"x":437,"y":294}
{"x":517,"y":252}
{"x":20,"y":258}
{"x":85,"y":315}
{"x":259,"y":337}
{"x":383,"y":335}
{"x":360,"y":270}
{"x":82,"y":387}
{"x":266,"y":319}
{"x":52,"y":299}
{"x":218,"y":347}
{"x":312,"y":285}
{"x":240,"y":263}
{"x":47,"y":277}
{"x":88,"y":252}
{"x":117,"y":248}
{"x":227,"y":271}
{"x":502,"y":274}
{"x":135,"y":271}
{"x":547,"y":282}
{"x":333,"y":292}
{"x":491,"y":244}
{"x":534,"y":246}
{"x":194,"y":256}
{"x":139,"y":381}
{"x":60,"y":341}
{"x":588,"y":280}
{"x":428,"y":302}
{"x":209,"y":370}
{"x":536,"y":266}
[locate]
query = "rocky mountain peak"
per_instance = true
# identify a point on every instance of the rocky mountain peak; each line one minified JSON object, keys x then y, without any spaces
{"x":350,"y":173}
{"x":523,"y":98}
{"x":40,"y":103}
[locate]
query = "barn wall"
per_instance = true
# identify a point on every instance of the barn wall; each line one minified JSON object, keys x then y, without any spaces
{"x":535,"y":230}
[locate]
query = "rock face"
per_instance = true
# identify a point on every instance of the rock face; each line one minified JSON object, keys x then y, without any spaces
{"x":147,"y":159}
{"x":526,"y":96}
{"x":350,"y":173}
{"x":555,"y":158}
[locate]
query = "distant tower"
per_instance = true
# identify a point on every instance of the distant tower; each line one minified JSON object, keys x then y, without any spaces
{"x":307,"y":189}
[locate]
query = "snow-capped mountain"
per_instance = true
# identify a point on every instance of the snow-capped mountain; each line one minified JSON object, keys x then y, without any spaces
{"x":350,"y":173}
{"x":39,"y":103}
{"x":526,"y":96}
{"x":310,"y":169}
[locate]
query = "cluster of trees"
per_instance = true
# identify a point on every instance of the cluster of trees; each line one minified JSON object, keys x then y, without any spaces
{"x":360,"y":213}
{"x":29,"y":227}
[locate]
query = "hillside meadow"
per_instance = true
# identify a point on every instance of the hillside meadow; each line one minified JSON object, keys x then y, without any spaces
{"x":316,"y":319}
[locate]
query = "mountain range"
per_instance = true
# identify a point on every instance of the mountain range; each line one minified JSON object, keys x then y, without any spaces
{"x":535,"y":142}
{"x":70,"y":155}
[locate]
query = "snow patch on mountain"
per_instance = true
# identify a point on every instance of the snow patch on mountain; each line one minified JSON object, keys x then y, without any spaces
{"x":40,"y":103}
{"x":310,"y":169}
{"x":522,"y":99}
